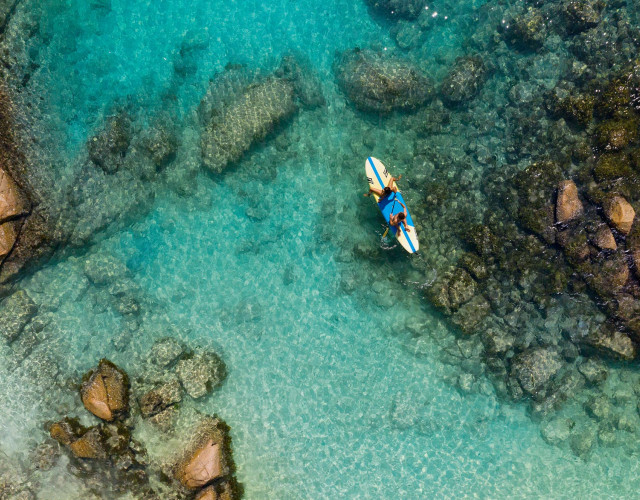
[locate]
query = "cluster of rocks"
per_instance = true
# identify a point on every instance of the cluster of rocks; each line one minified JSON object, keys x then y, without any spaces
{"x":379,"y":82}
{"x":240,"y":111}
{"x":110,"y":459}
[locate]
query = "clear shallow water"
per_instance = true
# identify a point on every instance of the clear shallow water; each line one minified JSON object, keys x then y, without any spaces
{"x":330,"y":392}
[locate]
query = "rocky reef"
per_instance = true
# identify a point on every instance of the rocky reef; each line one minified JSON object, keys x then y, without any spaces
{"x":108,"y":456}
{"x":381,"y":83}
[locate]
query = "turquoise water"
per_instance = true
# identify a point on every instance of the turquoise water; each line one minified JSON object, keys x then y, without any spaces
{"x":337,"y":385}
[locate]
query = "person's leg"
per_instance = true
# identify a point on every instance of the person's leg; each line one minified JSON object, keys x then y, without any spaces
{"x":374,"y":190}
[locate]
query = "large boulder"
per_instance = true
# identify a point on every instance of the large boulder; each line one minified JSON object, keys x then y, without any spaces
{"x":201,"y":373}
{"x":206,"y":457}
{"x":109,"y":146}
{"x":105,"y":391}
{"x":381,"y":83}
{"x":568,"y":205}
{"x":535,"y":368}
{"x":16,"y":311}
{"x":245,"y":121}
{"x":464,"y":80}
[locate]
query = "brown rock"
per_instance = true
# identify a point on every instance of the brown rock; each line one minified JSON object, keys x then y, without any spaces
{"x":619,"y":213}
{"x":66,"y":431}
{"x":568,"y":205}
{"x":204,"y":466}
{"x":220,"y":491}
{"x":206,"y":457}
{"x":12,"y":202}
{"x":7,"y":238}
{"x":105,"y":392}
{"x":604,"y":239}
{"x":207,"y":494}
{"x":90,"y":445}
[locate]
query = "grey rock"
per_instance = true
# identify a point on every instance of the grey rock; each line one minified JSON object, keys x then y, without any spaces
{"x":594,"y":371}
{"x":581,"y":15}
{"x":159,"y":399}
{"x":165,"y":351}
{"x":108,"y":148}
{"x":16,"y":311}
{"x":607,"y":436}
{"x":582,"y":441}
{"x":598,"y":407}
{"x":381,"y":83}
{"x":200,"y":374}
{"x":535,"y":368}
{"x":628,"y":421}
{"x":464,"y":80}
{"x":557,"y":430}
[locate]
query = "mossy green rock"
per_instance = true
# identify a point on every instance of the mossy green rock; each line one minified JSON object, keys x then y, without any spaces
{"x":536,"y":186}
{"x":611,"y":166}
{"x":462,"y":287}
{"x":614,"y":99}
{"x":616,"y":134}
{"x":575,"y":107}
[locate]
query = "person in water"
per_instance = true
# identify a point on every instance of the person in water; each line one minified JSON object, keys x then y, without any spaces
{"x":388,"y":189}
{"x":399,"y":218}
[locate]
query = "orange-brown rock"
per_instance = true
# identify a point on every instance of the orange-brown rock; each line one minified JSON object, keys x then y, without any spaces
{"x":7,"y":238}
{"x":222,"y":491}
{"x":66,"y":431}
{"x":12,"y":202}
{"x":206,"y":457}
{"x":90,"y":445}
{"x":604,"y":239}
{"x":619,"y":213}
{"x":207,"y":494}
{"x":105,"y":392}
{"x":568,"y":205}
{"x":204,"y":466}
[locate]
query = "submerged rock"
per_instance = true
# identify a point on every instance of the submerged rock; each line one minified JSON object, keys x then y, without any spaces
{"x":604,"y":238}
{"x":108,"y":148}
{"x":535,"y":368}
{"x":241,"y":111}
{"x":246,"y":121}
{"x":594,"y":371}
{"x":527,"y":29}
{"x":16,"y":311}
{"x":581,"y":15}
{"x":165,"y":351}
{"x":200,"y":374}
{"x":161,"y":398}
{"x":464,"y":80}
{"x":612,"y":343}
{"x":394,"y":9}
{"x":105,"y":391}
{"x":381,"y":83}
{"x":557,"y":430}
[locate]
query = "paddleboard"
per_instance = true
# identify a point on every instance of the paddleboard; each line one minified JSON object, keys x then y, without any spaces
{"x":379,"y":177}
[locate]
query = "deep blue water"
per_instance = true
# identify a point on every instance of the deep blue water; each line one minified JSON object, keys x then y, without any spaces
{"x":330,"y":393}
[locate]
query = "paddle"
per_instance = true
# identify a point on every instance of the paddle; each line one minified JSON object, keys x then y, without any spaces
{"x":392,"y":207}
